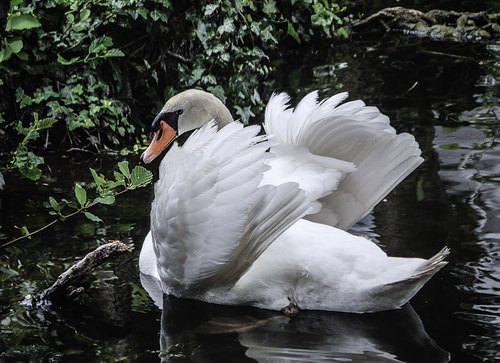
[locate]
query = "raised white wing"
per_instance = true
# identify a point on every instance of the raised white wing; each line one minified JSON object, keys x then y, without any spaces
{"x":351,"y":132}
{"x":210,"y":220}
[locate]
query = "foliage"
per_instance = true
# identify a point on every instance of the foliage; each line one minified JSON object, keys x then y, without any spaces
{"x":88,"y":63}
{"x":104,"y":190}
{"x":237,"y":38}
{"x":102,"y":67}
{"x":22,"y":159}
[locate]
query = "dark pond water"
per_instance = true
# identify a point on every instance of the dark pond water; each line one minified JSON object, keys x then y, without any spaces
{"x":445,"y":94}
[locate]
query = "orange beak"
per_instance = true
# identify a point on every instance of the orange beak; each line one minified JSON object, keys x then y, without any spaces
{"x":161,"y":139}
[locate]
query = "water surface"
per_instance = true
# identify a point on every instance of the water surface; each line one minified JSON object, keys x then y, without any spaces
{"x":445,"y":94}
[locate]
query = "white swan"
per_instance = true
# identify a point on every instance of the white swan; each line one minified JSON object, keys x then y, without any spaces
{"x":243,"y":218}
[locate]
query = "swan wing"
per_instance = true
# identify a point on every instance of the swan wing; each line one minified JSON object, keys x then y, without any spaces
{"x":375,"y":158}
{"x":210,"y":219}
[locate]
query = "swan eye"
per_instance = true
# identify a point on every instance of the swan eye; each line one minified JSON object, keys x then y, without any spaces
{"x":179,"y":112}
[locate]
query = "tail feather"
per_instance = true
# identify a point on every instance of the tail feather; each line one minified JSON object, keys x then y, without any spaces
{"x":432,"y":265}
{"x":401,"y":291}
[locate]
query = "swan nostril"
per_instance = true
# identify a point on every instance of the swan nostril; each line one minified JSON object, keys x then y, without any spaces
{"x":160,"y":134}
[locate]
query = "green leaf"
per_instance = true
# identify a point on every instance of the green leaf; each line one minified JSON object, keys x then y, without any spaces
{"x":14,"y":3}
{"x":15,"y":45}
{"x":140,"y":177}
{"x":65,"y":61}
{"x":69,"y":203}
{"x":342,"y":32}
{"x":99,"y":180}
{"x":5,"y":54}
{"x":210,"y":8}
{"x":108,"y":200}
{"x":80,"y":194}
{"x":269,"y":7}
{"x":53,"y":203}
{"x":45,"y":123}
{"x":84,"y":14}
{"x":22,"y":22}
{"x":123,"y":166}
{"x":92,"y":217}
{"x":292,"y":32}
{"x":118,"y":176}
{"x":27,"y":163}
{"x":22,"y":56}
{"x":227,"y":27}
{"x":7,"y":272}
{"x":24,"y":230}
{"x":114,"y":53}
{"x":100,"y":44}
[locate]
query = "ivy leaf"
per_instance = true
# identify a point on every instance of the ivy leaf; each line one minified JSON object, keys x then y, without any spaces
{"x":92,"y":217}
{"x":123,"y":166}
{"x":27,"y":163}
{"x":210,"y":8}
{"x":269,"y":7}
{"x":14,"y":3}
{"x":15,"y":45}
{"x":227,"y":27}
{"x":245,"y":113}
{"x":22,"y":22}
{"x":80,"y":194}
{"x":5,"y":54}
{"x":140,"y":177}
{"x":100,"y":44}
{"x":84,"y":14}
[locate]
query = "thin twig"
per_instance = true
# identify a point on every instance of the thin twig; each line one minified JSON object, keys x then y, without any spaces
{"x":63,"y":218}
{"x":178,"y":57}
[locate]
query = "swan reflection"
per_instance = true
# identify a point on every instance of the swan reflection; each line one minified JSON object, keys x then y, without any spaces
{"x":196,"y":331}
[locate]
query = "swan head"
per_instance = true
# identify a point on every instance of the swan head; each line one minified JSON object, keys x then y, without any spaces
{"x":184,"y":112}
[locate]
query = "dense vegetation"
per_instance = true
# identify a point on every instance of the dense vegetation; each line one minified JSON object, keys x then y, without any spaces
{"x":102,"y":68}
{"x":90,"y":74}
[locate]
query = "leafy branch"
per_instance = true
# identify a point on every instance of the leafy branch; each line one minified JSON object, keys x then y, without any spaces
{"x":106,"y":191}
{"x":22,"y":159}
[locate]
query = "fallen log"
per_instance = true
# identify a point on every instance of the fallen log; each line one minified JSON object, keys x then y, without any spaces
{"x":434,"y":24}
{"x":71,"y":283}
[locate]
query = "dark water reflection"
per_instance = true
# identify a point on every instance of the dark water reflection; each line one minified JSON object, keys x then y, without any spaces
{"x":266,"y":336}
{"x":445,"y":94}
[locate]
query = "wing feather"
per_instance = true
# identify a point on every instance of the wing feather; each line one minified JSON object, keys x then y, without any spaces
{"x":211,"y":219}
{"x":351,"y":132}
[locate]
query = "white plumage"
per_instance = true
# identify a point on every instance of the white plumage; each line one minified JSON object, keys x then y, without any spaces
{"x":227,"y":221}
